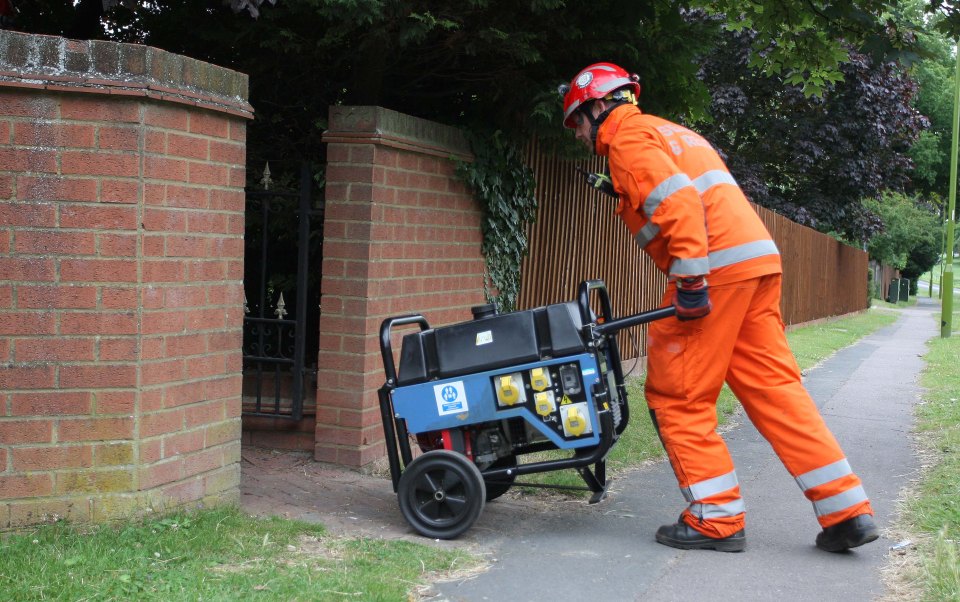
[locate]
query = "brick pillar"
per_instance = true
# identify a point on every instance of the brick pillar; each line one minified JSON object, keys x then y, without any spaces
{"x":401,"y":235}
{"x":121,"y":252}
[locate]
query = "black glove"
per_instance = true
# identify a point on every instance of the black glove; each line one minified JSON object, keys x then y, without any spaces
{"x":599,"y":181}
{"x":691,"y":299}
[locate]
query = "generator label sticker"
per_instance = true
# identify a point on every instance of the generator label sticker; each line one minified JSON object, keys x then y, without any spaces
{"x":451,"y":398}
{"x":484,"y":337}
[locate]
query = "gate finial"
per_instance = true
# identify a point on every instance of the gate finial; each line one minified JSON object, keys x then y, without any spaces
{"x":265,"y":181}
{"x":281,"y":308}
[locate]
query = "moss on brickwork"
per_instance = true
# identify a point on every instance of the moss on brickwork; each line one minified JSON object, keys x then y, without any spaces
{"x":114,"y":454}
{"x":102,"y":64}
{"x":94,"y":481}
{"x":128,"y":505}
{"x":223,"y":432}
{"x":32,"y":513}
{"x":220,"y":482}
{"x":393,"y":127}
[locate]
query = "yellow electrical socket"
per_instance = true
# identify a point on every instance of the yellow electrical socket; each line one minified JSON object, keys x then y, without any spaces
{"x":544,"y":403}
{"x":510,"y":389}
{"x":540,"y":379}
{"x":575,"y":419}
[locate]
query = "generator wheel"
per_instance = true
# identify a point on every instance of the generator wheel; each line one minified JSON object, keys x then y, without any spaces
{"x":441,"y":494}
{"x":501,"y":485}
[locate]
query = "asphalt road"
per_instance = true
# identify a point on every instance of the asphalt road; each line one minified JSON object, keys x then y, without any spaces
{"x":558,"y":551}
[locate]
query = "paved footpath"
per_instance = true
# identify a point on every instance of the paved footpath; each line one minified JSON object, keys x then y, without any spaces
{"x":568,"y":550}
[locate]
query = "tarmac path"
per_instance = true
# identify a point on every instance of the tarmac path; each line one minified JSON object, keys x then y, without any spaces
{"x":567,"y":550}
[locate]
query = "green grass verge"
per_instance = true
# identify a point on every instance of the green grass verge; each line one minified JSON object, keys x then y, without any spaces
{"x":935,"y":511}
{"x":218,"y":554}
{"x":934,"y":276}
{"x":639,"y":443}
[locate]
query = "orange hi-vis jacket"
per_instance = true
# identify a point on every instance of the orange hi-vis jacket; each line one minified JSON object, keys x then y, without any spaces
{"x":680,"y":202}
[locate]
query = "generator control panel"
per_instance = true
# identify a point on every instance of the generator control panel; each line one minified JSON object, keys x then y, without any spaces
{"x":553,"y":396}
{"x":555,"y":393}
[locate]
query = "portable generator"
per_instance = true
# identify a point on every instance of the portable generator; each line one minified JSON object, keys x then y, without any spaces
{"x":478,"y":394}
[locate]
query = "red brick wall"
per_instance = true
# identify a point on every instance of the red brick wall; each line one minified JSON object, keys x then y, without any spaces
{"x":121,"y":259}
{"x":401,"y":235}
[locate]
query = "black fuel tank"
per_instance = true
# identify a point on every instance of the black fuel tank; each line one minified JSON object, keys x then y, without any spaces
{"x":491,"y":341}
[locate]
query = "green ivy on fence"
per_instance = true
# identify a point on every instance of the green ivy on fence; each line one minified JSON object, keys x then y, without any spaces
{"x":504,"y":186}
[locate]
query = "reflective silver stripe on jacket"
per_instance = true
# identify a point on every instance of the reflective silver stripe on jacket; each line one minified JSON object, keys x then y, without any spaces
{"x":841,"y":501}
{"x":723,"y":257}
{"x":825,"y":474}
{"x":663,"y":190}
{"x":646,"y":234}
{"x":695,"y":266}
{"x":708,"y":487}
{"x":749,"y":250}
{"x":703,"y":183}
{"x":711,"y":178}
{"x":708,"y":511}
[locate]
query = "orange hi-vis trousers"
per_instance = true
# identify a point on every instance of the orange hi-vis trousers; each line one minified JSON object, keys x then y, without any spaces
{"x":742,"y":342}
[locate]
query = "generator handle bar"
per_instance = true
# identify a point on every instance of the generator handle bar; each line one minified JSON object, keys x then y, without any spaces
{"x":386,"y":349}
{"x":583,"y":300}
{"x":634,"y":320}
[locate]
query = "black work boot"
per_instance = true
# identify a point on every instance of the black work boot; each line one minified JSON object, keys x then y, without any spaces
{"x":683,"y":536}
{"x":850,"y":533}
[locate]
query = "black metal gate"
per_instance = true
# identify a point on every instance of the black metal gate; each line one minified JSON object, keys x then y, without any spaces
{"x":283,"y":237}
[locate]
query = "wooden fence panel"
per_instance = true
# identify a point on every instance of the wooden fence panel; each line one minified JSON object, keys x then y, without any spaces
{"x":577,"y":237}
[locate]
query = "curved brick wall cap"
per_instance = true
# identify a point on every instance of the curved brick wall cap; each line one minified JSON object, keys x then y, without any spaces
{"x":50,"y":62}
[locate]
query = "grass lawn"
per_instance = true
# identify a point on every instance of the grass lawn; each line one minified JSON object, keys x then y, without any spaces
{"x":217,"y":554}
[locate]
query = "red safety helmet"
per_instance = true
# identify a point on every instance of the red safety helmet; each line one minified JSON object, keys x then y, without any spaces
{"x":600,"y":80}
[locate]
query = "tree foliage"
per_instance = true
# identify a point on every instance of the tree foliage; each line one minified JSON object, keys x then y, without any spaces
{"x":911,"y":236}
{"x":805,"y":43}
{"x":490,"y":64}
{"x":947,"y":16}
{"x":493,"y":64}
{"x":803,"y":96}
{"x":812,"y":158}
{"x":934,"y":76}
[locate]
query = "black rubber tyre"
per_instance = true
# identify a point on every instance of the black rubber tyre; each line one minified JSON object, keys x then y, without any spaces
{"x":503,"y":484}
{"x":441,"y":494}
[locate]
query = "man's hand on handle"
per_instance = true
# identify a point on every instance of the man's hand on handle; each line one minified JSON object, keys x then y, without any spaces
{"x":691,"y":299}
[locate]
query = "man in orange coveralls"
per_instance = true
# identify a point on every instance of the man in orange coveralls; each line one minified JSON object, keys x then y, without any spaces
{"x":686,"y":211}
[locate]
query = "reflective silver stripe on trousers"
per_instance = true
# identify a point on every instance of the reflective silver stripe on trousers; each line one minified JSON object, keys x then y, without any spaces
{"x":711,"y":178}
{"x":708,"y":511}
{"x":646,"y":234}
{"x":825,"y":474}
{"x":841,"y":501}
{"x":663,"y":190}
{"x":695,"y":266}
{"x":708,"y":487}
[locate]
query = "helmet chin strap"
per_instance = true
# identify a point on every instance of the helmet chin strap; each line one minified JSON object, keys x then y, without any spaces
{"x":596,"y":122}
